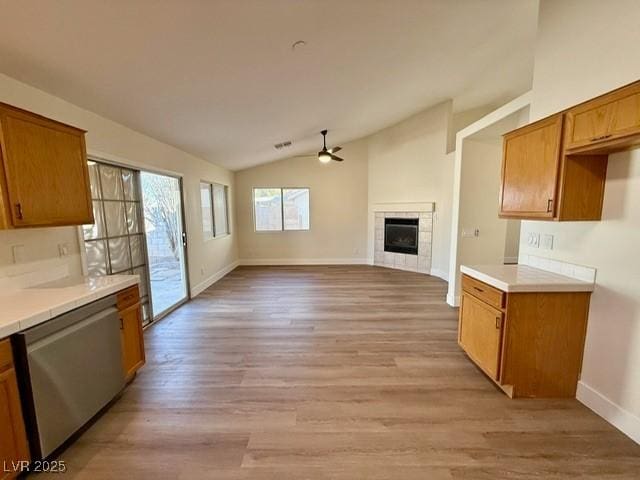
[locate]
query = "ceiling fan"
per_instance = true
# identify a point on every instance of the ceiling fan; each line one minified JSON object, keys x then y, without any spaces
{"x":326,"y":155}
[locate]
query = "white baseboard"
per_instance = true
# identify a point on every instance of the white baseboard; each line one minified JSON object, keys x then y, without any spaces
{"x":202,"y":286}
{"x":617,"y":416}
{"x":452,"y":300}
{"x":303,"y":261}
{"x":436,"y":272}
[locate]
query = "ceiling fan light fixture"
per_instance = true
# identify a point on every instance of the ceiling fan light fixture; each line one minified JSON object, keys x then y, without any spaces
{"x":324,"y":157}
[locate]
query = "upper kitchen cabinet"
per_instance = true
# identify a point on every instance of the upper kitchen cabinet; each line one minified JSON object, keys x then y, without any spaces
{"x":530,"y":168}
{"x":540,"y":181}
{"x":556,"y":168}
{"x":44,"y":179}
{"x":605,"y":124}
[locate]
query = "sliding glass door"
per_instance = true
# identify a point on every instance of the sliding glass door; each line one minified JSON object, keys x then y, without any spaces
{"x":166,"y":241}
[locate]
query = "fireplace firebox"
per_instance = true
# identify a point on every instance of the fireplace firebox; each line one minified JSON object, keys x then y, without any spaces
{"x":401,"y":235}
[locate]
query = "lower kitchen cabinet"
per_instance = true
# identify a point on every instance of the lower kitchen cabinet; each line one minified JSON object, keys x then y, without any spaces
{"x":530,"y":344}
{"x":13,"y":439}
{"x":130,"y":309}
{"x":481,"y":333}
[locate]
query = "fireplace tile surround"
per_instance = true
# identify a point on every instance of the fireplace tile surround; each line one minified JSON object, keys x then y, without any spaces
{"x":415,"y":263}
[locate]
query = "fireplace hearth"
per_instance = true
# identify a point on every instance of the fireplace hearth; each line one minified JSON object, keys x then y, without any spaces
{"x":401,"y":235}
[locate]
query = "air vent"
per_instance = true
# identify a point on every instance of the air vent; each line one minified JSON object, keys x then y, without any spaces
{"x":280,"y":146}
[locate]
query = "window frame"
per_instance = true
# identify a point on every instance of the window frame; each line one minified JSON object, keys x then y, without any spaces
{"x":206,"y":235}
{"x":281,"y":229}
{"x":215,"y":234}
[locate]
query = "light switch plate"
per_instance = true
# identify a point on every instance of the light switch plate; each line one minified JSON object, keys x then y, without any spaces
{"x":547,"y":241}
{"x":470,"y":233}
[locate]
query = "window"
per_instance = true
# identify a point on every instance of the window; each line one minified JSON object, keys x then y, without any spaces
{"x":214,"y":203}
{"x":277,"y":209}
{"x":116,"y":243}
{"x":207,"y":211}
{"x":221,"y":224}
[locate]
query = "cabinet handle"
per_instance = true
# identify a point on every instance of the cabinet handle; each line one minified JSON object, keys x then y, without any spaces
{"x":549,"y":205}
{"x":498,"y":322}
{"x":478,"y":289}
{"x":601,"y":137}
{"x":19,"y":214}
{"x":121,"y":324}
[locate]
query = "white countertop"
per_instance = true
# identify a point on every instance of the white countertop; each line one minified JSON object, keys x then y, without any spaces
{"x":23,"y":308}
{"x":523,"y":278}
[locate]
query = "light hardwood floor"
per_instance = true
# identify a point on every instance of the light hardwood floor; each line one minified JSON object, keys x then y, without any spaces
{"x":332,"y":373}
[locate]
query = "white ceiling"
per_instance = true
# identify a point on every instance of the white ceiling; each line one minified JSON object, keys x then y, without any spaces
{"x":219,"y":79}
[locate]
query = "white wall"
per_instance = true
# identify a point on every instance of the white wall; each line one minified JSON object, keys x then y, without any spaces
{"x":586,"y":48}
{"x":408,"y":162}
{"x":338,"y":216}
{"x":404,"y":163}
{"x":479,"y":192}
{"x":113,"y":141}
{"x":475,"y":192}
{"x":512,"y":241}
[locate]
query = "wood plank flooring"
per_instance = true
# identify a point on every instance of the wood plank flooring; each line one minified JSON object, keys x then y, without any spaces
{"x":332,"y":372}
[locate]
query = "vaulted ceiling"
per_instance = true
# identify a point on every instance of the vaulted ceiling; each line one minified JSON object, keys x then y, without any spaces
{"x":220,"y":79}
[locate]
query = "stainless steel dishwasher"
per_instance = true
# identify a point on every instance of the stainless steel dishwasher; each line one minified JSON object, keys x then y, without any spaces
{"x":69,"y":368}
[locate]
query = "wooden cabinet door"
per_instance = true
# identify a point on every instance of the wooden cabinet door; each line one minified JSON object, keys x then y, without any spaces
{"x":530,"y":170}
{"x":45,"y":169}
{"x":132,"y":339}
{"x":480,"y":333}
{"x":604,"y":119}
{"x":13,"y":439}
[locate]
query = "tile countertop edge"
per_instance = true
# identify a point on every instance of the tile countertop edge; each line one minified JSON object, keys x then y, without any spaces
{"x":483,"y":277}
{"x":32,"y":319}
{"x":571,"y":285}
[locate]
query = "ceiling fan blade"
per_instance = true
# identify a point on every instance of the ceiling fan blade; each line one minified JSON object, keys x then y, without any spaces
{"x":336,"y":158}
{"x":335,"y":149}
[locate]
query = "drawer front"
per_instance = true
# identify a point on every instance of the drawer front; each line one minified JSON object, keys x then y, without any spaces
{"x":606,"y":118}
{"x":6,"y":355}
{"x":128,"y":297}
{"x":480,"y":334}
{"x":484,"y":292}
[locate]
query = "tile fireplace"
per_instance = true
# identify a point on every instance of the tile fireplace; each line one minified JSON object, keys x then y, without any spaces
{"x":403,"y":239}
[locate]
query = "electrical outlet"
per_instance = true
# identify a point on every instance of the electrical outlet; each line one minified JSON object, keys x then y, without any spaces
{"x":547,"y":241}
{"x":18,"y":253}
{"x":533,"y":239}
